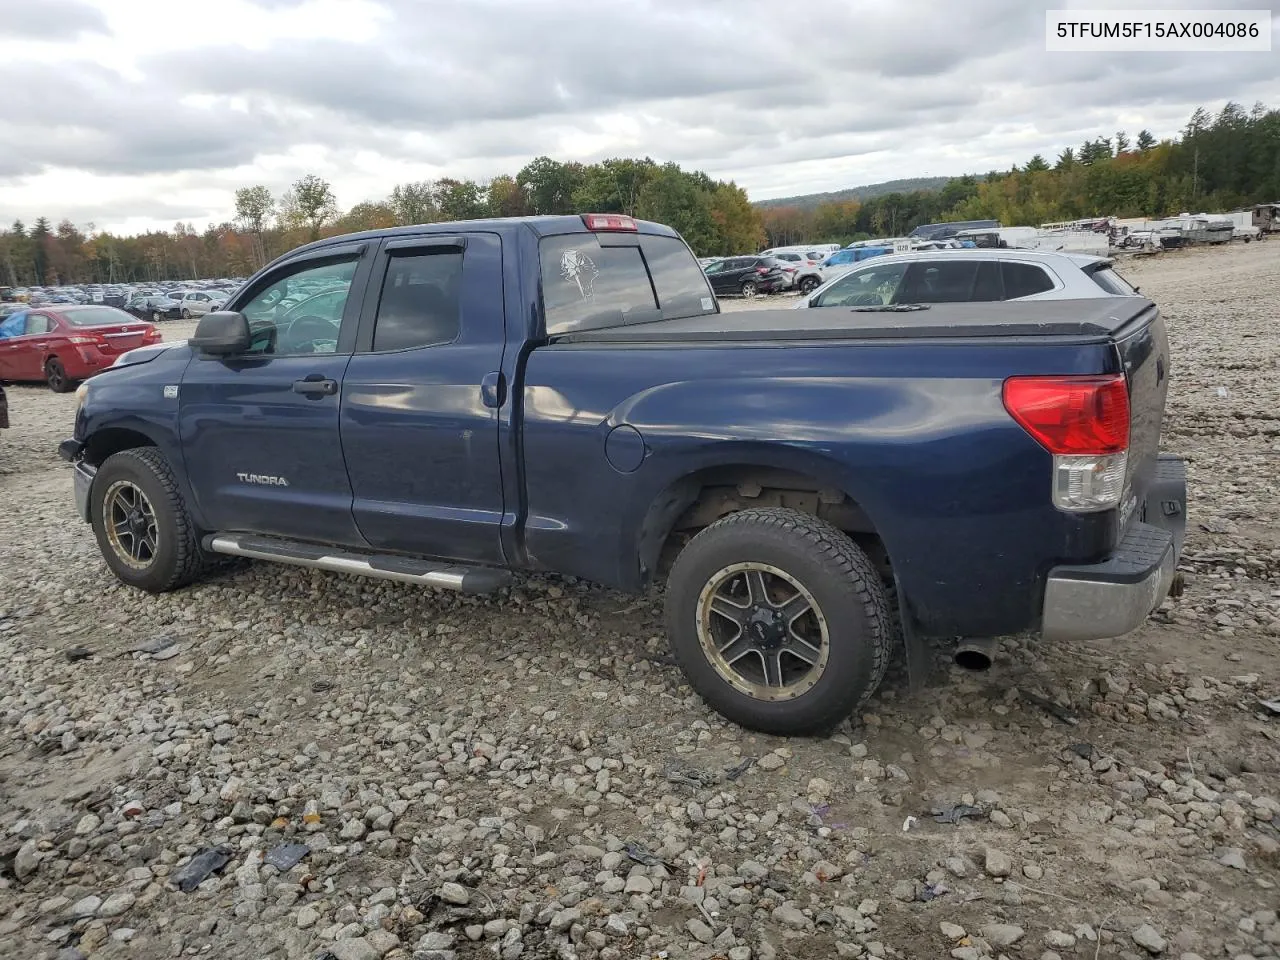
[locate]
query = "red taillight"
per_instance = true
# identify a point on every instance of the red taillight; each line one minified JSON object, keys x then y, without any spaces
{"x":1072,"y":415}
{"x":608,"y":221}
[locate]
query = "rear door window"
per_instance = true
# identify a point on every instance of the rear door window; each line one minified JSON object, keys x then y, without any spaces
{"x":939,"y":281}
{"x":587,"y":286}
{"x":1024,"y":280}
{"x":419,"y":304}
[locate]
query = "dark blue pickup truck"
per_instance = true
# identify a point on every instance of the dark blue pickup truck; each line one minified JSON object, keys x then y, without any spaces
{"x":447,"y":404}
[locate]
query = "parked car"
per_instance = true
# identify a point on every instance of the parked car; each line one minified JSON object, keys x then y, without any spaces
{"x":844,"y":260}
{"x":746,"y":276}
{"x":196,"y":303}
{"x":969,"y":276}
{"x":993,"y":469}
{"x":154,"y":308}
{"x":802,"y":269}
{"x":63,"y":345}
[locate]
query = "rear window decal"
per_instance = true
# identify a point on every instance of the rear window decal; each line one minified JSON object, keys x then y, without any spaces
{"x":577,"y":267}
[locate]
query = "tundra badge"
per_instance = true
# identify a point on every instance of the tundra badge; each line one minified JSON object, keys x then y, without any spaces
{"x":262,"y":479}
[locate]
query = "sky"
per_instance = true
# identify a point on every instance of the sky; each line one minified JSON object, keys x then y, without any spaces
{"x":136,"y":114}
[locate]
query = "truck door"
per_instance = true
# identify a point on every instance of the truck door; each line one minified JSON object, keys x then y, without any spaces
{"x":421,"y":399}
{"x":259,"y":431}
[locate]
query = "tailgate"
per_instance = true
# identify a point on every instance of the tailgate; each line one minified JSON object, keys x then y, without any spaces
{"x":1144,"y":353}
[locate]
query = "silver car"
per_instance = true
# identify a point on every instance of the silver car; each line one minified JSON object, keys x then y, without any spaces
{"x":196,"y":303}
{"x":971,"y":276}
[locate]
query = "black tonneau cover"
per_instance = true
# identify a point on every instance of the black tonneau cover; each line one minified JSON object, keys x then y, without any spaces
{"x":1101,"y":317}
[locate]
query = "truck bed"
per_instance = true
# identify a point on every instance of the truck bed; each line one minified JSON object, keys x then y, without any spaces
{"x":1092,"y":319}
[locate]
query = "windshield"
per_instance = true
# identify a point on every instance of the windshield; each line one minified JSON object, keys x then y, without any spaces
{"x":872,"y":287}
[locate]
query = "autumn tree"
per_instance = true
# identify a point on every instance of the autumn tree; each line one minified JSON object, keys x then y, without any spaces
{"x":254,"y":207}
{"x":413,"y":202}
{"x":310,"y":203}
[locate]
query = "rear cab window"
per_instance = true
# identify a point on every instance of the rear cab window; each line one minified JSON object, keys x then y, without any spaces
{"x":630,"y":278}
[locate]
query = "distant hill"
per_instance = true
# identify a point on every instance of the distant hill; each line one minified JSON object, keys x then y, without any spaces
{"x":810,"y":200}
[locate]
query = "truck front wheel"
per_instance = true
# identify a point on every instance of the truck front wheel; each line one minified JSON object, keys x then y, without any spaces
{"x":779,"y":621}
{"x":141,"y":522}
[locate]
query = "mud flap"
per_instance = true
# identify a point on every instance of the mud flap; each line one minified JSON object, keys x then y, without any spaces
{"x":915,"y":645}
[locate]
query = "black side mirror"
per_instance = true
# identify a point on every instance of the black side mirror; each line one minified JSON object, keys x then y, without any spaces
{"x":221,"y":333}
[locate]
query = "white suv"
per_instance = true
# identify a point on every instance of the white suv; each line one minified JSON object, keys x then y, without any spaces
{"x":196,"y":303}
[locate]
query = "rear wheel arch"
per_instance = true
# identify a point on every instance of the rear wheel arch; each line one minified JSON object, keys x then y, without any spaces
{"x":698,"y":499}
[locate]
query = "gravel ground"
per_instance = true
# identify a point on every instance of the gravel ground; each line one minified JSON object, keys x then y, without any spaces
{"x":527,"y":776}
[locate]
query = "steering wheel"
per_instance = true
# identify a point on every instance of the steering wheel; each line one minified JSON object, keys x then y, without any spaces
{"x":306,"y":331}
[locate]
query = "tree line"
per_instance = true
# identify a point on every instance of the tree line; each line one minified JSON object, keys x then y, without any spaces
{"x":715,"y":217}
{"x":1218,"y":162}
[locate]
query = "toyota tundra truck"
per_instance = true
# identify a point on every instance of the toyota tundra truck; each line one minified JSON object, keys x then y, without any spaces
{"x":454,"y":404}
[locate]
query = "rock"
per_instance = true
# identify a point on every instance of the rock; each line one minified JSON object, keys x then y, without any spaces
{"x":564,"y":919}
{"x":1147,"y":937}
{"x":1002,"y":934}
{"x":1059,"y":940}
{"x":771,"y":761}
{"x":952,"y":931}
{"x":27,"y":860}
{"x":1232,"y":857}
{"x":88,"y":824}
{"x":382,"y":941}
{"x":354,"y":948}
{"x":616,"y":926}
{"x":307,"y":918}
{"x":740,"y":953}
{"x":699,"y":930}
{"x":85,"y":907}
{"x":997,"y":863}
{"x":790,"y":916}
{"x":117,"y":904}
{"x":455,"y":893}
{"x":638,"y":883}
{"x":967,"y":953}
{"x":904,"y":890}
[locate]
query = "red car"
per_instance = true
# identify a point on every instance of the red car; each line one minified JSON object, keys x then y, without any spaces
{"x":63,"y":345}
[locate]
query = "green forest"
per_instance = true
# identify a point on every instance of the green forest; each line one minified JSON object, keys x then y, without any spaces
{"x":1218,"y":162}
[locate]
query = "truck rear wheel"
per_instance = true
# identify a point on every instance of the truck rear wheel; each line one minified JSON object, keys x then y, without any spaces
{"x":141,"y":522}
{"x":779,"y":621}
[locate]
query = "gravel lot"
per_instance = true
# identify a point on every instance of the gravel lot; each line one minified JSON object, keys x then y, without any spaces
{"x":527,"y":776}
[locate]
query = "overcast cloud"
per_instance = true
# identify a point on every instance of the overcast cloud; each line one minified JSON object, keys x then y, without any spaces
{"x":136,"y":113}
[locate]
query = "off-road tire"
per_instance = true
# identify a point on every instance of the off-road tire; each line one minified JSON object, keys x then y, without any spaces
{"x":179,"y":559}
{"x":55,"y":375}
{"x":848,"y":590}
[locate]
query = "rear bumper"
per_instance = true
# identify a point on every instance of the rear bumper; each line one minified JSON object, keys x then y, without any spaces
{"x":1109,"y":599}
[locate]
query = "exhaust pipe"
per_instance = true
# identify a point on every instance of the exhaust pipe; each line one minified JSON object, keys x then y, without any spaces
{"x":977,"y":653}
